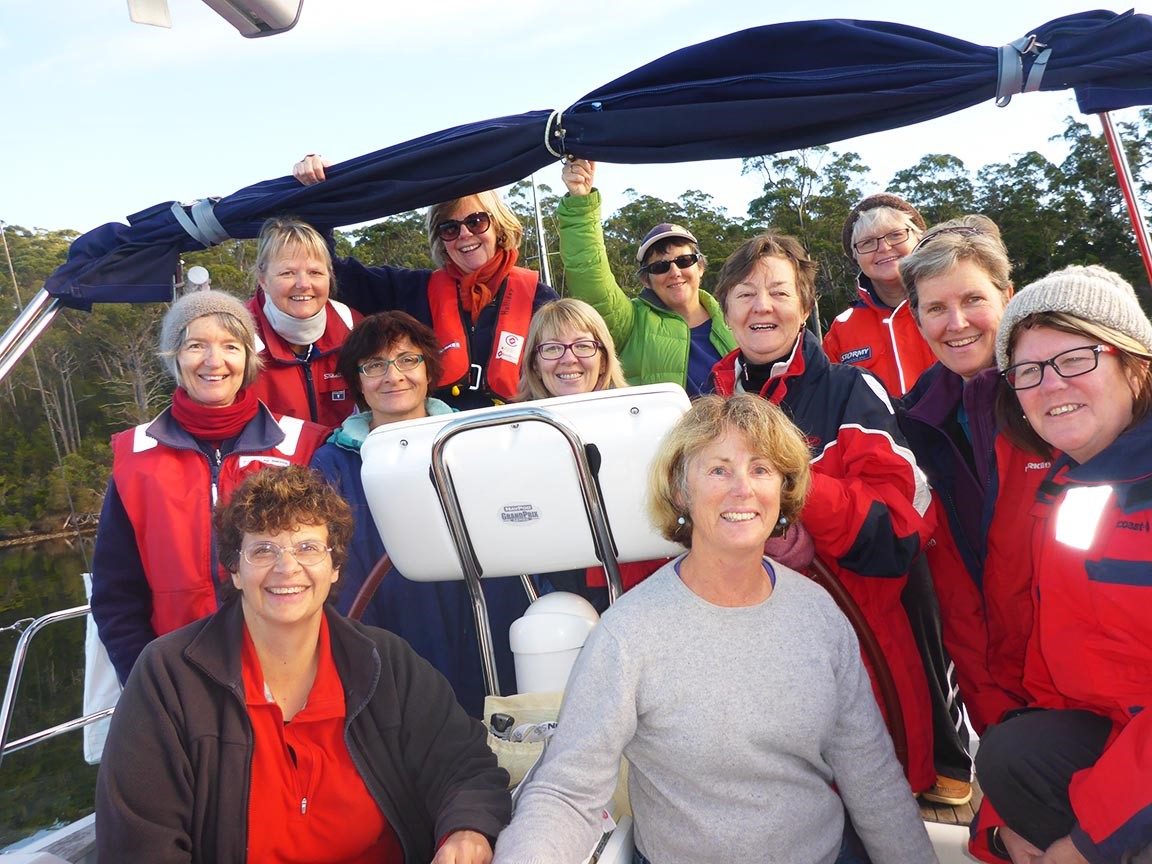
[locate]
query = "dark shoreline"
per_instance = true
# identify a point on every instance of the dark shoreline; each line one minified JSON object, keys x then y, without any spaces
{"x":28,"y":539}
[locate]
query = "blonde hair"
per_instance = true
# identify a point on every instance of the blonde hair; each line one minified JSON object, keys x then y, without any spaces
{"x":770,"y":435}
{"x":548,"y":321}
{"x":504,"y":223}
{"x":972,"y":238}
{"x":280,"y":233}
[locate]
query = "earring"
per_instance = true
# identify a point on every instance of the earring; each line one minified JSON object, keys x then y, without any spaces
{"x":782,"y":521}
{"x":681,"y":521}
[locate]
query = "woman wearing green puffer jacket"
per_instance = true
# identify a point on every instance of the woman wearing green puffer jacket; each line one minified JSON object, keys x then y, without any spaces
{"x":673,"y":332}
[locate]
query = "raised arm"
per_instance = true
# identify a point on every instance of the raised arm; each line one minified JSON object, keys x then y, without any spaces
{"x":310,"y":169}
{"x":585,"y":257}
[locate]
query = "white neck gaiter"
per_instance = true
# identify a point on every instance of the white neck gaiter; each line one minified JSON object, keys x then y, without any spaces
{"x":298,"y":331}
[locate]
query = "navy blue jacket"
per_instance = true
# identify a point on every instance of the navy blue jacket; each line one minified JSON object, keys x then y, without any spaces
{"x":434,"y":617}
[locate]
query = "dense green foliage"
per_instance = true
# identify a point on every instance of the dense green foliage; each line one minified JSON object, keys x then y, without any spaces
{"x":93,"y":374}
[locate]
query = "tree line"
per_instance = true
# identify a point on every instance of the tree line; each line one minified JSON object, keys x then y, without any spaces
{"x":93,"y":374}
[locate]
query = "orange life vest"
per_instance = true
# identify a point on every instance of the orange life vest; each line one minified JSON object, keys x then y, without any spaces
{"x":500,"y":378}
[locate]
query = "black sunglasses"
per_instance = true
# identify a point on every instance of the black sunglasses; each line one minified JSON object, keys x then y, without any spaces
{"x":477,"y":223}
{"x":682,"y":262}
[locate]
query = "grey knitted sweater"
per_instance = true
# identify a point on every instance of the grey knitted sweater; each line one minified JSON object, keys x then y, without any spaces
{"x":736,"y":722}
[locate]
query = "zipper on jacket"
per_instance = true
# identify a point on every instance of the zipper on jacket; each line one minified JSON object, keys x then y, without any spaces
{"x":310,"y":386}
{"x":304,"y":805}
{"x":214,"y":465}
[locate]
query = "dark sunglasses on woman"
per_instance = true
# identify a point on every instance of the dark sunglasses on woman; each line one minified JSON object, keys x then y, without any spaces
{"x":476,"y":223}
{"x":682,"y":262}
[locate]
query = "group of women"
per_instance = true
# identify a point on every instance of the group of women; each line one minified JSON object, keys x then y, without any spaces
{"x":798,"y":456}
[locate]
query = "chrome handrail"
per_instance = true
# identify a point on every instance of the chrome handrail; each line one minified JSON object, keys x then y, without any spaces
{"x":446,"y":489}
{"x":19,"y":657}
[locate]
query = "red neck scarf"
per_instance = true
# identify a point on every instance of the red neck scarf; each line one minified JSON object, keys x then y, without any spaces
{"x":478,"y":288}
{"x":214,"y":424}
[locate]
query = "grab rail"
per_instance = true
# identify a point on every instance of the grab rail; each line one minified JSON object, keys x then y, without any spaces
{"x":14,"y":675}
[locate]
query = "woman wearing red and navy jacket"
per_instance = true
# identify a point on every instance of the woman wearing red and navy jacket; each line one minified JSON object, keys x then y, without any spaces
{"x":865,"y":512}
{"x":1071,"y":777}
{"x":958,"y":281}
{"x":479,"y":303}
{"x":299,"y":327}
{"x":154,"y":567}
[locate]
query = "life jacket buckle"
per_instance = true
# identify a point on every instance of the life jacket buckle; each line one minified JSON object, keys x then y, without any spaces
{"x":475,"y":374}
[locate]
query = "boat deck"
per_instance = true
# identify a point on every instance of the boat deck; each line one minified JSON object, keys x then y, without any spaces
{"x":945,"y":815}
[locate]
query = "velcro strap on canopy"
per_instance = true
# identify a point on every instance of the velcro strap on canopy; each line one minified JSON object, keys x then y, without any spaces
{"x":201,"y":224}
{"x":1010,"y":74}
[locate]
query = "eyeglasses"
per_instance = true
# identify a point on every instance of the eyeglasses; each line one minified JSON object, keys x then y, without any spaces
{"x":960,"y":230}
{"x":1068,"y":364}
{"x":892,"y":238}
{"x":267,"y":554}
{"x":476,"y":223}
{"x":555,"y":350}
{"x":377,"y":366}
{"x":682,"y":262}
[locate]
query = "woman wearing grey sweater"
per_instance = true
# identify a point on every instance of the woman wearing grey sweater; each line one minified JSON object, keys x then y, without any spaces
{"x":733,"y":685}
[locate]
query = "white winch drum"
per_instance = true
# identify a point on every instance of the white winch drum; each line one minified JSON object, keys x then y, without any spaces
{"x":518,"y":485}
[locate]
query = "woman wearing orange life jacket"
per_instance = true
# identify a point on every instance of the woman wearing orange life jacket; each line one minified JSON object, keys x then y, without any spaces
{"x":479,"y":303}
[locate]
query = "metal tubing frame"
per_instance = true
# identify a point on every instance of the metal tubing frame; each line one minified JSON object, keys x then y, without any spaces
{"x":1128,"y":189}
{"x":27,"y":327}
{"x":446,"y":490}
{"x":18,"y":658}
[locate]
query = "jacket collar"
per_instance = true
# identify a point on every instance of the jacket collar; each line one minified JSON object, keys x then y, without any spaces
{"x":1127,"y":459}
{"x":728,"y":374}
{"x":216,"y":650}
{"x":866,"y":295}
{"x":261,"y":433}
{"x":350,"y":434}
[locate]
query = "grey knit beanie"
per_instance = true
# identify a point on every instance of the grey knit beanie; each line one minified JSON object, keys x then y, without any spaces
{"x":1093,"y":293}
{"x":197,"y":304}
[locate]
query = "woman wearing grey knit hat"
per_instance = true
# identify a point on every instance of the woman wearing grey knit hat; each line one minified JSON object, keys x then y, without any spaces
{"x":154,"y":568}
{"x":1071,"y":777}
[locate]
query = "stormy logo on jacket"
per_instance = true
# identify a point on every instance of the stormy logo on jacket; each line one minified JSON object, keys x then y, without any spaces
{"x":857,"y":355}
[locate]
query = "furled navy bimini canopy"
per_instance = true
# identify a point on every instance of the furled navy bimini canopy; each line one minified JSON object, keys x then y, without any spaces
{"x":763,"y":90}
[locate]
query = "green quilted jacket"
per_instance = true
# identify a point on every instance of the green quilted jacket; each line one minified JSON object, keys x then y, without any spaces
{"x":651,"y":339}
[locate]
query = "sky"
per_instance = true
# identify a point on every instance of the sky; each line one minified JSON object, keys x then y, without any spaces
{"x":104,"y":117}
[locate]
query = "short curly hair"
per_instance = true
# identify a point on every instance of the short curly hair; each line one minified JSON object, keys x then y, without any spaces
{"x":770,"y":434}
{"x":381,"y":332}
{"x":281,"y":499}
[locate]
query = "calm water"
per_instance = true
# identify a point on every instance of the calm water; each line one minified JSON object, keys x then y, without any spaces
{"x":49,"y":784}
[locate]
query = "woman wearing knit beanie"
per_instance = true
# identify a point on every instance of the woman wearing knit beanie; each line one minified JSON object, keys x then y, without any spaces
{"x":154,"y":568}
{"x":1071,"y":776}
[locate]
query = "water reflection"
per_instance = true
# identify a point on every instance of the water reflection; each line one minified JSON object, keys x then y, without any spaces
{"x":49,"y":784}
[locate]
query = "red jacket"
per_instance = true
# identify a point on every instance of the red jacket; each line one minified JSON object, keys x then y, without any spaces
{"x":1091,"y":642}
{"x":959,"y":463}
{"x":154,"y":567}
{"x":866,"y":510}
{"x":882,"y":340}
{"x":310,"y":389}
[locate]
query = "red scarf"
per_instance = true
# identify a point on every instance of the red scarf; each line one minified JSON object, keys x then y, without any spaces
{"x":478,"y":288}
{"x":214,"y":424}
